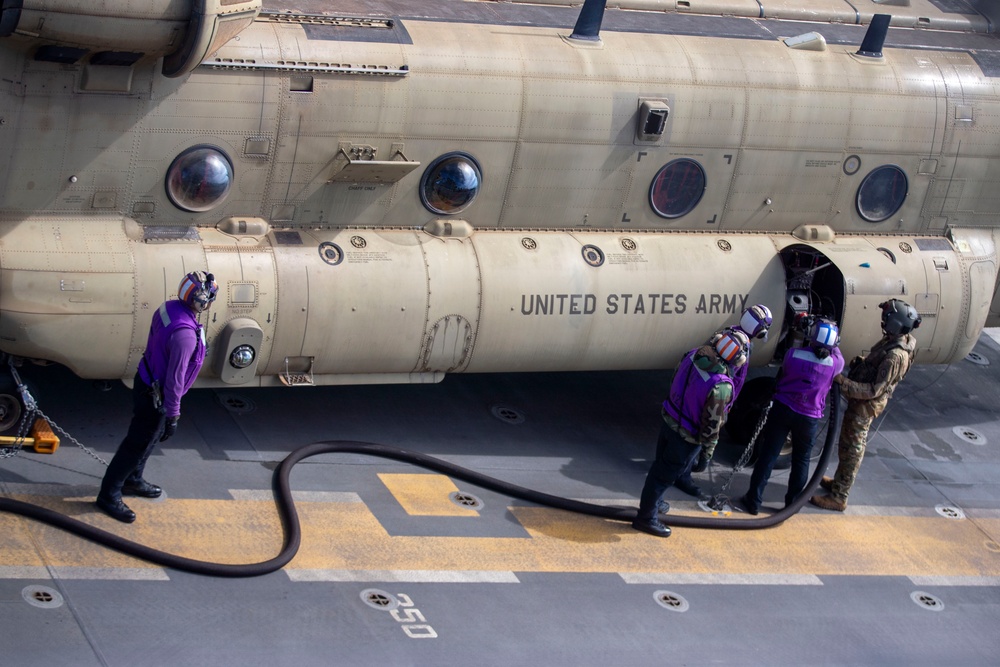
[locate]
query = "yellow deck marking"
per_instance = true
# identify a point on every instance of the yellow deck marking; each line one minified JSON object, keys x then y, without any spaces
{"x":424,"y":495}
{"x":349,"y":537}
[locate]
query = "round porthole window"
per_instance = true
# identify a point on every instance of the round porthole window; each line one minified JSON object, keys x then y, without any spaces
{"x":882,"y":193}
{"x":450,"y":183}
{"x":677,"y":188}
{"x":199,"y":179}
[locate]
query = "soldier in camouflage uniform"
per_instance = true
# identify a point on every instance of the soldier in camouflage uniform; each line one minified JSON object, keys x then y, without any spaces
{"x":693,"y":414}
{"x":868,"y":388}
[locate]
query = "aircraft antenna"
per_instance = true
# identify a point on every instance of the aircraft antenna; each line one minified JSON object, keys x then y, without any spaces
{"x":588,"y":24}
{"x":875,"y":37}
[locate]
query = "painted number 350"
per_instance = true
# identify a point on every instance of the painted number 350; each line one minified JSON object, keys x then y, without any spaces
{"x":407,"y":614}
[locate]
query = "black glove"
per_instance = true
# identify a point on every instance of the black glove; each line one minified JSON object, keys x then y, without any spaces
{"x":170,"y":427}
{"x":702,"y":464}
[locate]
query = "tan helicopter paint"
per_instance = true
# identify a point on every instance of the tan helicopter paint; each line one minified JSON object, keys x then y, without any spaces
{"x":333,"y":270}
{"x":905,"y":13}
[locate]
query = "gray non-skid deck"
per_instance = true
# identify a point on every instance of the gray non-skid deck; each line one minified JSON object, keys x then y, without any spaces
{"x":513,"y":584}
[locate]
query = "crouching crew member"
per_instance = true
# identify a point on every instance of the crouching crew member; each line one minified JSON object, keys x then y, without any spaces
{"x":803,"y":382}
{"x":755,"y":322}
{"x":693,"y":414}
{"x":871,"y":382}
{"x":175,"y":351}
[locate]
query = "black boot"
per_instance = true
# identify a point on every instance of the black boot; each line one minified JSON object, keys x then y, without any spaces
{"x":651,"y":526}
{"x":744,"y":504}
{"x":116,"y":509}
{"x":141,"y":488}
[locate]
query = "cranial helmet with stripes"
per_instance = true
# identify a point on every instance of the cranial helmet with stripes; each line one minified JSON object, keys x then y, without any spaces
{"x":824,"y":336}
{"x":756,"y":320}
{"x":733,"y":346}
{"x":198,"y":290}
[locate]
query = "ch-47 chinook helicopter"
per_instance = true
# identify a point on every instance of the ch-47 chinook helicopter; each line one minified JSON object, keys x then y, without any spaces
{"x":393,"y":191}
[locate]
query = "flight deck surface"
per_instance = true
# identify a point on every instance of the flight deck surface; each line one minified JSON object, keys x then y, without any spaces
{"x":404,"y":566}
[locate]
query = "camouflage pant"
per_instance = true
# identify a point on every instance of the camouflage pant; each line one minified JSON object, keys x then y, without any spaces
{"x":853,"y":438}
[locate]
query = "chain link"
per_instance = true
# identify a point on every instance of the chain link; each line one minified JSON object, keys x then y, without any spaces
{"x":720,"y":499}
{"x":31,"y":413}
{"x":22,"y":433}
{"x":26,"y":421}
{"x":57,"y":427}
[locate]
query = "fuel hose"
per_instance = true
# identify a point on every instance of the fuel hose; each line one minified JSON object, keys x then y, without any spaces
{"x":293,"y":532}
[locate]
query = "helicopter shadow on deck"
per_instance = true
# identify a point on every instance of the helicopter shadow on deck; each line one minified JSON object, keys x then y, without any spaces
{"x":595,"y":430}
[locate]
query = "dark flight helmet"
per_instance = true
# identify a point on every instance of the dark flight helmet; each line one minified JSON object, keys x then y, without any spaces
{"x":898,"y":317}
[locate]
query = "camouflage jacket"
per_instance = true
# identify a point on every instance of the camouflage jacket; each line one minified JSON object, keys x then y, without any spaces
{"x":713,"y":414}
{"x":873,"y":378}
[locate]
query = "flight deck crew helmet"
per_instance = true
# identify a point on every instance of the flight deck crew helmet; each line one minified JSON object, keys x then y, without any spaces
{"x":733,"y":346}
{"x":898,"y":317}
{"x":198,"y":290}
{"x":824,"y":336}
{"x":756,"y":320}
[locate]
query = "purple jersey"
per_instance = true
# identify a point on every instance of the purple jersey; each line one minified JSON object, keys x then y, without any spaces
{"x":689,"y":393}
{"x":174,"y":353}
{"x":740,"y":376}
{"x":805,"y":380}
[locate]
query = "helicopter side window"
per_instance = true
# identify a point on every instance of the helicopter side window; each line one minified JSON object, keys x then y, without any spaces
{"x":450,"y":183}
{"x":677,"y":188}
{"x":882,"y":193}
{"x":199,"y":179}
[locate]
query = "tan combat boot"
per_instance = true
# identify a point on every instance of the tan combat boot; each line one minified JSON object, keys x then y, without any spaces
{"x":829,"y":503}
{"x":826,"y":483}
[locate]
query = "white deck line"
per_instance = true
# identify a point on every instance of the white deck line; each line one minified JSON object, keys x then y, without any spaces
{"x":407,"y":576}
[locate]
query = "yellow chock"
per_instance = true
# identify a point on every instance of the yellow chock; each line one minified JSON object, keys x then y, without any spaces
{"x":41,"y":438}
{"x":46,"y":442}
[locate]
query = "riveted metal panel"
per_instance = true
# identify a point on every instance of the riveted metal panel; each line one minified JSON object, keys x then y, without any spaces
{"x":362,"y":314}
{"x":453,"y":305}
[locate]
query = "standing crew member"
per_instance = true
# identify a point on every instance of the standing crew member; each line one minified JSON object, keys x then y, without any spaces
{"x":868,"y":389}
{"x":175,"y":351}
{"x":693,"y":414}
{"x":799,"y":398}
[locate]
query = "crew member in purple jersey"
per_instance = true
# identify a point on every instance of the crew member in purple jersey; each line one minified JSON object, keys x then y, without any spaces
{"x":799,"y":398}
{"x":701,"y":395}
{"x":755,"y":323}
{"x":175,"y":351}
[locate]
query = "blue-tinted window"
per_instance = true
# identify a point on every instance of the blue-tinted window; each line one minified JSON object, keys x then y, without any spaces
{"x":451,"y":183}
{"x":199,"y":179}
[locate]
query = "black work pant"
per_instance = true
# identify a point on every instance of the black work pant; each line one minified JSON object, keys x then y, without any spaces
{"x":781,"y":421}
{"x":143,"y":434}
{"x":674,"y":456}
